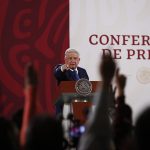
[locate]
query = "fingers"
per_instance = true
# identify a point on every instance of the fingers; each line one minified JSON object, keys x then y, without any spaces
{"x":107,"y":68}
{"x":120,"y":80}
{"x":31,"y":75}
{"x":117,"y":73}
{"x":65,"y":67}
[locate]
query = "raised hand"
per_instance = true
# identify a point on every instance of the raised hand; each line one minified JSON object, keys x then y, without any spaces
{"x":30,"y":75}
{"x":120,"y":82}
{"x":64,"y":67}
{"x":107,"y":69}
{"x":30,"y":103}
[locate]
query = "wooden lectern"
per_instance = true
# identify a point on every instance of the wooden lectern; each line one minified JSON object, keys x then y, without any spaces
{"x":78,"y":103}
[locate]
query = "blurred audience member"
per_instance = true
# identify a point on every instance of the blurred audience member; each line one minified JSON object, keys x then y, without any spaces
{"x":17,"y":118}
{"x":38,"y":132}
{"x":122,"y":122}
{"x":30,"y":105}
{"x":142,"y":130}
{"x":98,"y":129}
{"x":44,"y":132}
{"x":8,"y":135}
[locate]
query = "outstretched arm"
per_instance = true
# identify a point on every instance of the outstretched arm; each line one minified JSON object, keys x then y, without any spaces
{"x":120,"y":83}
{"x":98,"y":133}
{"x":30,"y":100}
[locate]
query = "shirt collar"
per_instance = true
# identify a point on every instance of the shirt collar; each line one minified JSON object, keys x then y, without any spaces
{"x":75,"y":70}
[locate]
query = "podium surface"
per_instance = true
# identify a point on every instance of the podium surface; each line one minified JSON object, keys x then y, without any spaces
{"x":78,"y":103}
{"x":69,"y":86}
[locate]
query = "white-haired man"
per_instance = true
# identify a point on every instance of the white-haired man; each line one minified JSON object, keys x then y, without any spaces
{"x":70,"y":70}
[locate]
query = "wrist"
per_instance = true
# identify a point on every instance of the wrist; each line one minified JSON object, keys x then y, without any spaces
{"x":120,"y":92}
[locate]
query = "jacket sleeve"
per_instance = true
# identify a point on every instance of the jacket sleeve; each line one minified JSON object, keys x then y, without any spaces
{"x":57,"y":72}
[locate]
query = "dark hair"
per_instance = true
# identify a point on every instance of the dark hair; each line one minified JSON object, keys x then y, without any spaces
{"x":44,"y":132}
{"x":17,"y":118}
{"x":142,"y":129}
{"x":8,"y":135}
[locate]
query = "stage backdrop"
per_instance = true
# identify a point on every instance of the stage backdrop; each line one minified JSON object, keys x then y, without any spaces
{"x":119,"y":26}
{"x":36,"y":31}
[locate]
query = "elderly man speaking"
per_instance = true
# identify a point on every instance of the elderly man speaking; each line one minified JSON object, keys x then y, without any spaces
{"x":70,"y":70}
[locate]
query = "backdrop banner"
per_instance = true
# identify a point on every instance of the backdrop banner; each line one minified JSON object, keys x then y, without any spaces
{"x":36,"y":31}
{"x":122,"y":28}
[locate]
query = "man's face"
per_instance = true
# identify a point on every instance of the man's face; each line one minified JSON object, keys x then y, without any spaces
{"x":72,"y":60}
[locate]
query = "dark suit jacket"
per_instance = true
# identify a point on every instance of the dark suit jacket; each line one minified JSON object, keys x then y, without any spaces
{"x":67,"y":75}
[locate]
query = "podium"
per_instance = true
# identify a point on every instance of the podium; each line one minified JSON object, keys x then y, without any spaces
{"x":78,"y":104}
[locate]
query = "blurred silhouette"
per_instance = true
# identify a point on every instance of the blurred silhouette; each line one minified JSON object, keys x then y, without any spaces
{"x":142,"y":130}
{"x":39,"y":131}
{"x":122,"y":121}
{"x":8,"y":135}
{"x":44,"y":132}
{"x":17,"y":118}
{"x":98,"y":133}
{"x":30,"y":106}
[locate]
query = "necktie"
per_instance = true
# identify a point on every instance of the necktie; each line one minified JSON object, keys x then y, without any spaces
{"x":76,"y":76}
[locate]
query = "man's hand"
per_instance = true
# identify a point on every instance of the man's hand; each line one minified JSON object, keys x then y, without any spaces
{"x":30,"y":105}
{"x":64,"y":67}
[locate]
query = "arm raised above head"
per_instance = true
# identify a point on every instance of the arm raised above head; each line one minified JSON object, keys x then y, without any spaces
{"x":98,"y":130}
{"x":30,"y":100}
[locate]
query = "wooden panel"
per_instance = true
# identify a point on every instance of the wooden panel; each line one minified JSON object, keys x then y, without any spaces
{"x":80,"y":109}
{"x":69,"y":86}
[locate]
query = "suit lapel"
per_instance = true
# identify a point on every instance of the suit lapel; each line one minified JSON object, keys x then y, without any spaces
{"x":79,"y":72}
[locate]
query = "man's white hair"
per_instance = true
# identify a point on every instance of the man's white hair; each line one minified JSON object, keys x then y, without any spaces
{"x":69,"y":50}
